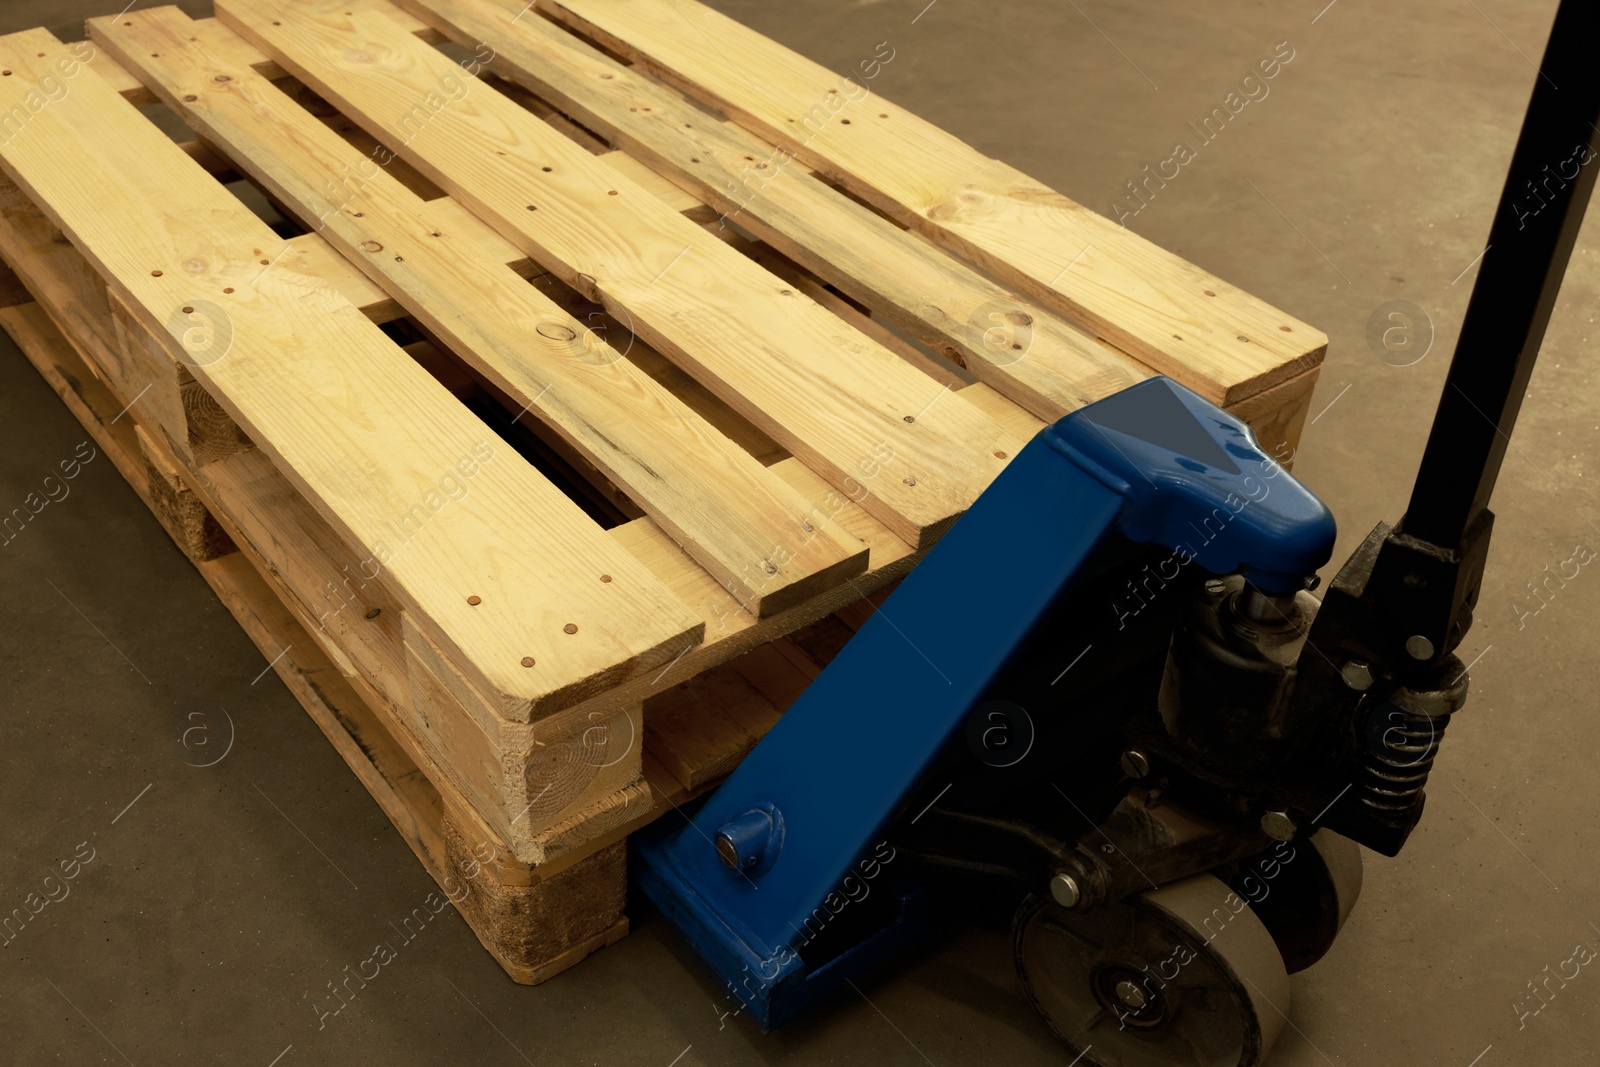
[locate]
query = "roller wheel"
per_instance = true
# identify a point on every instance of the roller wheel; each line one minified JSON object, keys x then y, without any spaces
{"x":1180,"y":975}
{"x":1302,"y":892}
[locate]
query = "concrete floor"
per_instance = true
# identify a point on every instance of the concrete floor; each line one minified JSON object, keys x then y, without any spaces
{"x":218,"y":905}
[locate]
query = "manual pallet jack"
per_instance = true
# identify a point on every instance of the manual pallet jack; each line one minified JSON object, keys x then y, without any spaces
{"x":1109,"y":693}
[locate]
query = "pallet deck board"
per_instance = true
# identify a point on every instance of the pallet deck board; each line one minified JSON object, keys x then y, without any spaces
{"x":741,"y":522}
{"x":826,"y":392}
{"x":1174,"y":316}
{"x":948,"y":305}
{"x":367,"y":464}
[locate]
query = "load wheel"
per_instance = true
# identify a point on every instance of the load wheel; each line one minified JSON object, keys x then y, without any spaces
{"x":1302,"y":893}
{"x":1180,"y":975}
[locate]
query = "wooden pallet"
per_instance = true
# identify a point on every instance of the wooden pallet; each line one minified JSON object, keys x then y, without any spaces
{"x":555,"y":417}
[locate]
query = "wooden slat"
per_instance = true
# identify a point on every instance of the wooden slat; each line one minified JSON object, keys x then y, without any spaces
{"x":209,"y":32}
{"x":944,"y":303}
{"x":214,"y":37}
{"x":362,"y":431}
{"x":701,"y":729}
{"x":709,"y":406}
{"x":313,"y":251}
{"x":1003,"y":411}
{"x":556,"y":119}
{"x":1169,"y":313}
{"x":942,"y":371}
{"x":446,"y":214}
{"x":358,"y":138}
{"x":850,"y":409}
{"x":117,"y":80}
{"x":668,"y":193}
{"x":730,"y":629}
{"x":748,"y":528}
{"x":1278,"y":415}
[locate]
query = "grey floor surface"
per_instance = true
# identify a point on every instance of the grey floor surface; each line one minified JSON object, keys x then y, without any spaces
{"x":220,"y":901}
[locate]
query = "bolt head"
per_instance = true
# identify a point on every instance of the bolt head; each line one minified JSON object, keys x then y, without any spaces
{"x":744,"y":842}
{"x":1131,"y":995}
{"x":1419,"y":647}
{"x":1135,"y":764}
{"x":1357,"y":676}
{"x":1278,"y":826}
{"x":1064,"y":890}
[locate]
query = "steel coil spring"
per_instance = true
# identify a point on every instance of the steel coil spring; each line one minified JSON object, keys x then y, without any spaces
{"x":1401,"y":747}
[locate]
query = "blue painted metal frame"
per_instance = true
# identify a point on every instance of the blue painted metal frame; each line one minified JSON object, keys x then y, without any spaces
{"x":1154,"y":464}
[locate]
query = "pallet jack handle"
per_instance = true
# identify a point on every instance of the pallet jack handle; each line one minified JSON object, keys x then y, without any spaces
{"x":1431,"y":566}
